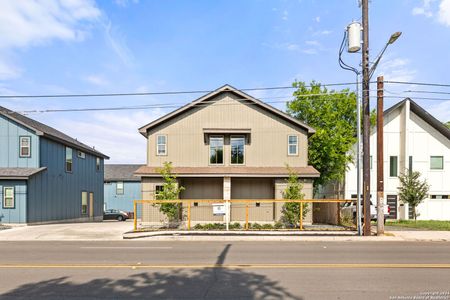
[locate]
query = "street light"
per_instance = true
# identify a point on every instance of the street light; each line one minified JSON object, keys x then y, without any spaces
{"x":352,"y":36}
{"x":391,"y":40}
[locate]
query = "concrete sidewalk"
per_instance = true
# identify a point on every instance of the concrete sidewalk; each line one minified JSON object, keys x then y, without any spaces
{"x":96,"y":231}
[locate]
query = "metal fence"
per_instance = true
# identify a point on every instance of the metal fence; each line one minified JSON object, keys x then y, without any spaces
{"x":219,"y":214}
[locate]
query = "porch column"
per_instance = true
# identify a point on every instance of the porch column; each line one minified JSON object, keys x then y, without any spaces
{"x":227,"y":196}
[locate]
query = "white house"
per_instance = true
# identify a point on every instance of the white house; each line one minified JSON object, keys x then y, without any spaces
{"x":413,"y":140}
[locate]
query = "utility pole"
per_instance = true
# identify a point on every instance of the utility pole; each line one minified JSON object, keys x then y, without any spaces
{"x":380,"y":157}
{"x":366,"y":117}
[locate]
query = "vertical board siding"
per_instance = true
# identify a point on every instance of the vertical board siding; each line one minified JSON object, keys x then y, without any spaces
{"x":10,"y":132}
{"x":131,"y":192}
{"x":54,"y":194}
{"x":18,"y":213}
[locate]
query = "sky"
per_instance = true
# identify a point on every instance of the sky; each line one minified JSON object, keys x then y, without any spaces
{"x":86,"y":46}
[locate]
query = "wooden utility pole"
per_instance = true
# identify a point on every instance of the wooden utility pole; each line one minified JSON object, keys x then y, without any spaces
{"x":380,"y":157}
{"x":366,"y":117}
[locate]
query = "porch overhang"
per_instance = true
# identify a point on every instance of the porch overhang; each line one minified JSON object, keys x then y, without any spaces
{"x":238,"y":131}
{"x":302,"y":172}
{"x":19,"y":173}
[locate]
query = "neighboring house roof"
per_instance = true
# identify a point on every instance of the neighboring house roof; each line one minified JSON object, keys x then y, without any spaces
{"x":121,"y":172}
{"x":19,"y":173}
{"x":226,"y":88}
{"x":243,"y":171}
{"x":48,"y":132}
{"x":422,"y":113}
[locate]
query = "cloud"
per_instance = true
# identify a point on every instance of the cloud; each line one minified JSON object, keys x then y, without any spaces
{"x":444,"y":12}
{"x":310,"y":51}
{"x":25,"y":23}
{"x":98,"y":80}
{"x":285,"y":16}
{"x":117,"y":42}
{"x":424,"y":10}
{"x":396,"y":69}
{"x":113,"y":133}
{"x":441,"y":110}
{"x":125,"y":3}
{"x":312,"y":43}
{"x":322,"y":32}
{"x":317,"y":19}
{"x":8,"y":71}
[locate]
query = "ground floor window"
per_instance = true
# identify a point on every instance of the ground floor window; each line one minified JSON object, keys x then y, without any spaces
{"x":439,"y":196}
{"x":84,"y":203}
{"x":8,"y":197}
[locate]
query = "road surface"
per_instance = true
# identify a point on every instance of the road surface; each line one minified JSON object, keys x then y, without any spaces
{"x":224,"y":270}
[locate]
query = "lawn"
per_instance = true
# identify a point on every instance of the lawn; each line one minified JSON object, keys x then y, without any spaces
{"x":429,"y":225}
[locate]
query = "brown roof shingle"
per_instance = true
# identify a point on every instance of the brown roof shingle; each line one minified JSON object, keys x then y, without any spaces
{"x":308,"y":171}
{"x":22,"y":173}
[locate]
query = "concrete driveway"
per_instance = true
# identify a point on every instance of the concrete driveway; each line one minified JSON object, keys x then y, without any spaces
{"x":99,"y":231}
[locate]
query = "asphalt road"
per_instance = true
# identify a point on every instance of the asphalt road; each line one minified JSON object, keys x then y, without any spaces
{"x":224,"y":270}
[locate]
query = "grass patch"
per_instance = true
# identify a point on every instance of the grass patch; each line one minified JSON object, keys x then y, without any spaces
{"x":421,"y":224}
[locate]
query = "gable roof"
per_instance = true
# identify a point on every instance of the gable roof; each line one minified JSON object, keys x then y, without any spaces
{"x":48,"y":132}
{"x":121,"y":172}
{"x":422,"y":113}
{"x":226,"y":88}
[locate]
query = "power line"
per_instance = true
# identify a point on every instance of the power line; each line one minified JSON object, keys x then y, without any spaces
{"x":163,"y":92}
{"x":418,"y":83}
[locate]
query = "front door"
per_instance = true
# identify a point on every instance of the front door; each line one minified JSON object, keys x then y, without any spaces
{"x":91,"y":205}
{"x":392,"y":202}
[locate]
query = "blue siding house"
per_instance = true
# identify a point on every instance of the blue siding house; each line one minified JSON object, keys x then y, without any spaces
{"x":45,"y":175}
{"x":121,"y":187}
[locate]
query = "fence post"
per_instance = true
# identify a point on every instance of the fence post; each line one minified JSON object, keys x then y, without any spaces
{"x":246,"y":216}
{"x":135,"y":215}
{"x":301,"y":215}
{"x":189,"y":215}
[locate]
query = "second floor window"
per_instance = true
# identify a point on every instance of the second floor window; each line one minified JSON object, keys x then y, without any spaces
{"x":119,"y":188}
{"x":69,"y":159}
{"x":237,"y":149}
{"x":216,"y":150}
{"x":97,"y":163}
{"x":393,"y":166}
{"x":436,"y":162}
{"x":161,"y":145}
{"x":292,"y":145}
{"x":25,"y":146}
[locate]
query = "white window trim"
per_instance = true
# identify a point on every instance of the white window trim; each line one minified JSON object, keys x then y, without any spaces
{"x":65,"y":160}
{"x":123,"y":188}
{"x":29,"y":146}
{"x":165,"y":145}
{"x":13,"y":197}
{"x":236,"y":136}
{"x":85,"y":205}
{"x":296,"y":145}
{"x":223,"y":150}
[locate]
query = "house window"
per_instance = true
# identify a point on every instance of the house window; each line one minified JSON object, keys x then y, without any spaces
{"x":97,"y":163}
{"x":216,"y":150}
{"x":119,"y":188}
{"x":8,"y":197}
{"x":436,"y":162}
{"x":292,"y":145}
{"x":81,"y":154}
{"x":158,"y":190}
{"x":161,"y":145}
{"x":69,"y":159}
{"x":393,"y":166}
{"x":237,"y":149}
{"x":84,"y":203}
{"x":439,"y":196}
{"x":25,"y":146}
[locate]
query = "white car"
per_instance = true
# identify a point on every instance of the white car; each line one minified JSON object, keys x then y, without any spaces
{"x":349,"y":210}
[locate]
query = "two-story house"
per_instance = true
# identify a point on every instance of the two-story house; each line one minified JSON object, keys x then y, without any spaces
{"x":45,"y":175}
{"x":413,"y":140}
{"x":227,"y":145}
{"x":122,"y":187}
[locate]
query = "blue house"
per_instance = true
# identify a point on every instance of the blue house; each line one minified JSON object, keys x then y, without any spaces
{"x":45,"y":175}
{"x":121,"y":187}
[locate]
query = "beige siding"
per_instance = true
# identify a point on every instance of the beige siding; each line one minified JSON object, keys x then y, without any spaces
{"x":269,"y":134}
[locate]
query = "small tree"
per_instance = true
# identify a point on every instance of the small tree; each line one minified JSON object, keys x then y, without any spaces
{"x":170,"y":191}
{"x":291,"y":210}
{"x":412,"y":190}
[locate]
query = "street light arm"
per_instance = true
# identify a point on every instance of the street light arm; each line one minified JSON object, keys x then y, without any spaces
{"x":375,"y":64}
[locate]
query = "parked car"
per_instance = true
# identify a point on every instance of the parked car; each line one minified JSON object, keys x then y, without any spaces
{"x":115,"y":214}
{"x":349,"y":210}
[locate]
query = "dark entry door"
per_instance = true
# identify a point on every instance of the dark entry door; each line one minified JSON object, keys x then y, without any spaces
{"x":392,"y":202}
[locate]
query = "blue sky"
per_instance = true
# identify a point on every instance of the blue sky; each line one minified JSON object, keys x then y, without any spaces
{"x":76,"y":46}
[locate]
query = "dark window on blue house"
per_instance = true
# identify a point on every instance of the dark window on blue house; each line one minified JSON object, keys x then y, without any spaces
{"x":69,"y":159}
